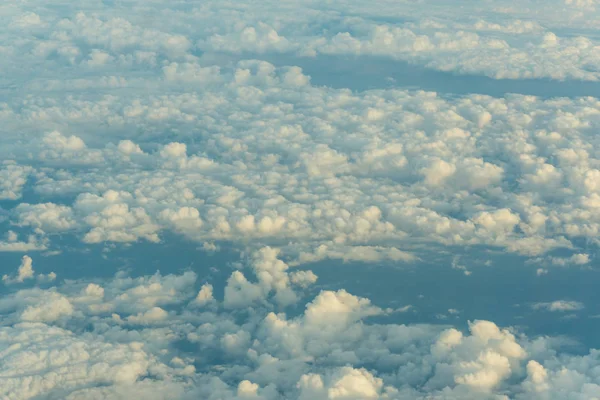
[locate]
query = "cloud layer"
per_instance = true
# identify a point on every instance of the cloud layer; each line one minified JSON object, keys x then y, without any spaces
{"x":331,"y":350}
{"x":144,"y":124}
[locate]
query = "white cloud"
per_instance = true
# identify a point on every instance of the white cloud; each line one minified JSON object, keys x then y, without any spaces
{"x":316,"y":194}
{"x":24,"y":272}
{"x":153,"y":315}
{"x":48,"y":217}
{"x":49,"y":309}
{"x":261,"y":38}
{"x":33,"y":243}
{"x":182,"y":119}
{"x":56,"y":147}
{"x":575,"y":259}
{"x":559,"y":305}
{"x":52,"y":362}
{"x":322,"y":353}
{"x":111,"y":218}
{"x":13,"y":178}
{"x":205,"y":295}
{"x":272,"y":276}
{"x":346,"y":383}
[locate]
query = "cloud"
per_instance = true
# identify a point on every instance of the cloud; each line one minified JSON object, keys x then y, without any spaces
{"x":332,"y":350}
{"x":13,"y":178}
{"x":205,"y":295}
{"x":50,"y":309}
{"x":346,"y":383}
{"x":25,"y":272}
{"x":575,"y":259}
{"x":329,"y":197}
{"x":322,"y":353}
{"x":47,"y":217}
{"x":111,"y":218}
{"x":261,"y":38}
{"x":559,"y":306}
{"x":13,"y":244}
{"x":174,"y":122}
{"x":69,"y":150}
{"x":62,"y":355}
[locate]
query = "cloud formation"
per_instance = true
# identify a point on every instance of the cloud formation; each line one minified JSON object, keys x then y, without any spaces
{"x":344,"y":175}
{"x":330,"y":351}
{"x":157,"y":123}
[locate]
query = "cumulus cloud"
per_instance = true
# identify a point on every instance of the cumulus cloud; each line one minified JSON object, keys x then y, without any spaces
{"x":47,"y":217}
{"x":346,"y":383}
{"x":332,"y":350}
{"x":205,"y":295}
{"x":14,"y":244}
{"x":463,"y":181}
{"x":24,"y":272}
{"x":67,"y":149}
{"x":13,"y":178}
{"x":272,"y":276}
{"x":62,"y":355}
{"x":174,"y":124}
{"x":111,"y":218}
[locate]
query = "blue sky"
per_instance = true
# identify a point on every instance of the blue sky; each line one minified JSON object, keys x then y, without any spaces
{"x":299,"y":200}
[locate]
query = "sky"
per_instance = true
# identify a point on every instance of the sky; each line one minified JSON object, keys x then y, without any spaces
{"x":307,"y":200}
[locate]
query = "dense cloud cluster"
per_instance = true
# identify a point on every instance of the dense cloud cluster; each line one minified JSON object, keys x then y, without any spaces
{"x":159,"y":336}
{"x":132,"y":123}
{"x":332,"y":173}
{"x":494,"y":39}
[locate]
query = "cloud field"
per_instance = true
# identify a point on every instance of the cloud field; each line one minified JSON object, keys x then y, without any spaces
{"x":130,"y":125}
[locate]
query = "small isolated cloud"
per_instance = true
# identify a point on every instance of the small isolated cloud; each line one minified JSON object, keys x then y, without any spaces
{"x":456,"y":264}
{"x":559,"y":306}
{"x":574,"y":260}
{"x":25,"y":272}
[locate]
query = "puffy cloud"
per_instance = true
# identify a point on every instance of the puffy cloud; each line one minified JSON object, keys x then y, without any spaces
{"x":346,"y":383}
{"x":42,"y":360}
{"x":48,"y":309}
{"x":186,"y":219}
{"x":47,"y":217}
{"x":13,"y":178}
{"x":119,"y":35}
{"x":502,"y":221}
{"x":111,"y":218}
{"x":153,"y":315}
{"x":70,"y":150}
{"x":143,"y":293}
{"x":272,"y":276}
{"x":331,"y":351}
{"x":319,"y":194}
{"x":13,"y":244}
{"x":472,"y":173}
{"x":575,"y":259}
{"x":205,"y":295}
{"x":259,"y":39}
{"x":24,"y":272}
{"x":168,"y":128}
